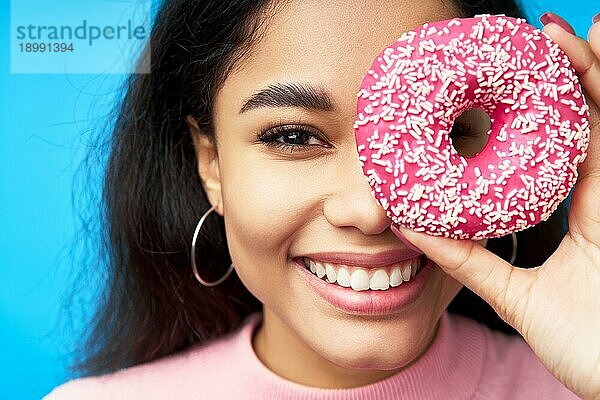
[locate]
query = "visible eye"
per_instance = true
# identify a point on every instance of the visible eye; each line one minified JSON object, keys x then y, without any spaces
{"x":294,"y":137}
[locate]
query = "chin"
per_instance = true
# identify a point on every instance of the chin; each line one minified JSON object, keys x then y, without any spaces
{"x":379,"y":358}
{"x":383,"y":345}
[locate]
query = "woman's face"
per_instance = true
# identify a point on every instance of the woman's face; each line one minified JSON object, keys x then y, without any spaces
{"x":278,"y":205}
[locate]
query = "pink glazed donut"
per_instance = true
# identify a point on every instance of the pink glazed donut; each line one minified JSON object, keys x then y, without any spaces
{"x":418,"y":86}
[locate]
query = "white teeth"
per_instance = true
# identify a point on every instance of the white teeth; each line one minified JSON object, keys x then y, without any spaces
{"x":379,"y":280}
{"x":396,"y":278}
{"x":331,"y":275}
{"x":320,"y":270}
{"x":359,"y":280}
{"x":406,"y":272}
{"x":364,"y":279}
{"x":343,"y":277}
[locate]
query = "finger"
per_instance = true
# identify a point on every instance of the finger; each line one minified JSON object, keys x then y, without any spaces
{"x":498,"y":283}
{"x":594,"y":38}
{"x":584,"y":56}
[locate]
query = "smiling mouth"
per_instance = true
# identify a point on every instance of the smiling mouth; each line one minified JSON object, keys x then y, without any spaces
{"x":365,"y":278}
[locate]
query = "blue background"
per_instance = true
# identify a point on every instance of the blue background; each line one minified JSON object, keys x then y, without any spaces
{"x":47,"y":123}
{"x":85,"y":27}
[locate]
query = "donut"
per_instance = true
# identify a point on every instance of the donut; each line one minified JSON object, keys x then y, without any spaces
{"x":411,"y":96}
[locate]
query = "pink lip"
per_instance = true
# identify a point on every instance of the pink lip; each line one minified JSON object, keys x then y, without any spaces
{"x":369,"y":302}
{"x":365,"y":260}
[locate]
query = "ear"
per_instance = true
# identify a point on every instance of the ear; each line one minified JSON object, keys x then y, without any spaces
{"x":207,"y":164}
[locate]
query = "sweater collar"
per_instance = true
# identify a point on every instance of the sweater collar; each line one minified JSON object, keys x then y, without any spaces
{"x":450,"y":369}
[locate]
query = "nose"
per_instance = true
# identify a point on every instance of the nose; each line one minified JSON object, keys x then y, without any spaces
{"x":351,"y":203}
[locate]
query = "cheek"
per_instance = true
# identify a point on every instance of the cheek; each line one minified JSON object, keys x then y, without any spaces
{"x":265,"y":202}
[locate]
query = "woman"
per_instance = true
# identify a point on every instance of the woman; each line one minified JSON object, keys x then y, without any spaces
{"x":209,"y":129}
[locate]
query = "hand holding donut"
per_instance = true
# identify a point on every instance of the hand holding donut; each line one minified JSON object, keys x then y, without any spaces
{"x":555,"y":306}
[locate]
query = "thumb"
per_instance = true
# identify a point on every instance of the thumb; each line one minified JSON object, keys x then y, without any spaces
{"x":498,"y":283}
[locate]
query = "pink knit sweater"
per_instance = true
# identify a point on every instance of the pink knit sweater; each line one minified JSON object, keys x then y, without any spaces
{"x":466,"y":360}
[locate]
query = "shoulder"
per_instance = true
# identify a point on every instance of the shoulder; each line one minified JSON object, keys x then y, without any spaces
{"x":75,"y":389}
{"x":174,"y":376}
{"x":511,"y":367}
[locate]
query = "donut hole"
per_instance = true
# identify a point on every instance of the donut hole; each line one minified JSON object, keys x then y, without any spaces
{"x":470,"y":132}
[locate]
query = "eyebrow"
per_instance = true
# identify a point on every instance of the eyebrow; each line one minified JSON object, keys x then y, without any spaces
{"x":290,"y":95}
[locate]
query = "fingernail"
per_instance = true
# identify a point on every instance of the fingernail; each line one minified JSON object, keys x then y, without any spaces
{"x":596,"y":18}
{"x":548,"y":17}
{"x":404,"y":239}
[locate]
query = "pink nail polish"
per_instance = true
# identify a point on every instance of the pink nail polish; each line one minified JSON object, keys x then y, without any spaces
{"x":549,"y":17}
{"x":596,"y":18}
{"x":404,"y":239}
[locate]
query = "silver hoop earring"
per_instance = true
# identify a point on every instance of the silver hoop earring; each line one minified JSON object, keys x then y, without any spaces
{"x":513,"y":256}
{"x":193,"y":255}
